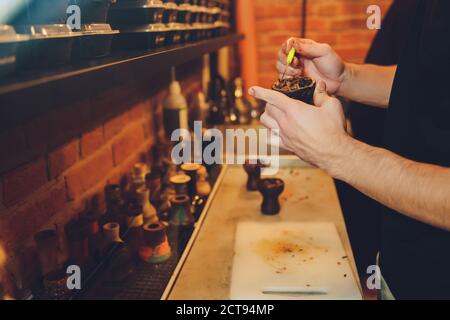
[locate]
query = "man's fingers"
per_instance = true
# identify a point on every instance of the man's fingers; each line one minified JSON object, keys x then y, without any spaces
{"x":272,"y":97}
{"x":269,"y":122}
{"x":321,"y":95}
{"x":278,"y":115}
{"x":290,"y":71}
{"x":311,"y":49}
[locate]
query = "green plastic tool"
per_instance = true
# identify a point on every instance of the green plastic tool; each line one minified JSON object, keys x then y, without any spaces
{"x":291,"y":56}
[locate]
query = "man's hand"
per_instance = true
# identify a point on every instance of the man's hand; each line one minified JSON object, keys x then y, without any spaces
{"x":317,"y":60}
{"x":314,"y":133}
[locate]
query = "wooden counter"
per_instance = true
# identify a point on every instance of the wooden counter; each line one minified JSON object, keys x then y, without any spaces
{"x":206,"y":272}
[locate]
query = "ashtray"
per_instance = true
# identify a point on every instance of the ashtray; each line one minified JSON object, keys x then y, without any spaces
{"x":299,"y":88}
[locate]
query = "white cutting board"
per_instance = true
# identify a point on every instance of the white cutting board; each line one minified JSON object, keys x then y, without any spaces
{"x":290,"y":254}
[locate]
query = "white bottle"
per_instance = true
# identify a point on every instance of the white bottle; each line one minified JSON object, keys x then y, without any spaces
{"x":175,"y":109}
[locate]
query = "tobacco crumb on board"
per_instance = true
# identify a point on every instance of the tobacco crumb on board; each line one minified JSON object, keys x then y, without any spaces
{"x":308,"y":285}
{"x":303,"y":198}
{"x":344,"y":257}
{"x":339,"y":263}
{"x":345,"y":276}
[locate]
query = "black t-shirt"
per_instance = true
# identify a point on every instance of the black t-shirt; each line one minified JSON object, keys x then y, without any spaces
{"x":415,"y":257}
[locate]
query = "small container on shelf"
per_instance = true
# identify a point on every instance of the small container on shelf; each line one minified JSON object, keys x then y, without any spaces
{"x":9,"y":41}
{"x":150,"y":36}
{"x":203,"y":13}
{"x":198,"y":31}
{"x":195,"y":14}
{"x":48,"y":46}
{"x":221,"y":28}
{"x":224,"y":16}
{"x":215,"y":14}
{"x":170,"y":13}
{"x":93,"y":11}
{"x":212,"y":15}
{"x":209,"y":30}
{"x":186,"y":33}
{"x":198,"y":2}
{"x":95,"y":41}
{"x":184,"y":13}
{"x":174,"y":34}
{"x":136,"y":12}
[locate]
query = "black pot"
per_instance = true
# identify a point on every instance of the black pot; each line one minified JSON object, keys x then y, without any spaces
{"x":9,"y":42}
{"x":305,"y":93}
{"x":186,"y":35}
{"x":48,"y":46}
{"x":136,"y":12}
{"x":201,"y":3}
{"x":93,"y":11}
{"x":215,"y":14}
{"x":253,"y":171}
{"x":151,"y":36}
{"x":170,"y":13}
{"x":174,"y":34}
{"x":203,"y":14}
{"x":94,"y":43}
{"x":195,"y":14}
{"x":184,"y":13}
{"x":271,"y":189}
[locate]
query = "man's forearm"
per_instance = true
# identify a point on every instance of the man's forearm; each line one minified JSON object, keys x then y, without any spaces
{"x":420,"y":191}
{"x":368,"y":84}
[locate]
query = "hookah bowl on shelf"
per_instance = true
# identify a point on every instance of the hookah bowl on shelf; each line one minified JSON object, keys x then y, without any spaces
{"x":180,"y":211}
{"x":155,"y":246}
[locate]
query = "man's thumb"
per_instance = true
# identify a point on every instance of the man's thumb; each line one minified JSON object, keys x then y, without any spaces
{"x":320,"y":95}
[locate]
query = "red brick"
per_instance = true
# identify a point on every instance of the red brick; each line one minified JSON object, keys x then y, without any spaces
{"x":21,"y":182}
{"x":138,"y":112}
{"x":91,"y":141}
{"x":68,"y":122}
{"x":25,"y":221}
{"x":349,"y":24}
{"x":355,"y":55}
{"x":115,"y":125}
{"x":111,"y":101}
{"x":277,"y":10}
{"x":327,"y":9}
{"x":316,"y":24}
{"x":354,"y":38}
{"x":62,"y":158}
{"x":127,"y":144}
{"x":88,"y":173}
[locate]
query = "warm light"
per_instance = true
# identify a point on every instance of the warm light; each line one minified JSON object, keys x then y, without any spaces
{"x":2,"y":257}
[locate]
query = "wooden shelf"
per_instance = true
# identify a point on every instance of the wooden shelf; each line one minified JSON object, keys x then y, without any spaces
{"x":155,"y":60}
{"x":26,"y":95}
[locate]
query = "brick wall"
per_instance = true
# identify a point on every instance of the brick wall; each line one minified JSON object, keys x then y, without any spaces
{"x":56,"y":165}
{"x":341,"y":23}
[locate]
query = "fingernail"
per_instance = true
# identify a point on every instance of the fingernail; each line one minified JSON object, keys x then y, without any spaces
{"x":251,"y":92}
